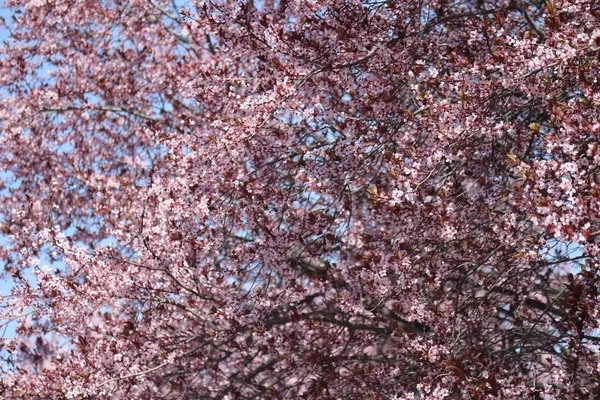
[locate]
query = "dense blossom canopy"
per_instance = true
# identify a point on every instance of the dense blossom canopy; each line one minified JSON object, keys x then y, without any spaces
{"x":335,"y":199}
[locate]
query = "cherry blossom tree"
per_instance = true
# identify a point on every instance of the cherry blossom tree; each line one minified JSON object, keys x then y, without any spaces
{"x":335,"y":199}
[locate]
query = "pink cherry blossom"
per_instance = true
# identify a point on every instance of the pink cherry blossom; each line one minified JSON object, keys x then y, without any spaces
{"x":300,"y":199}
